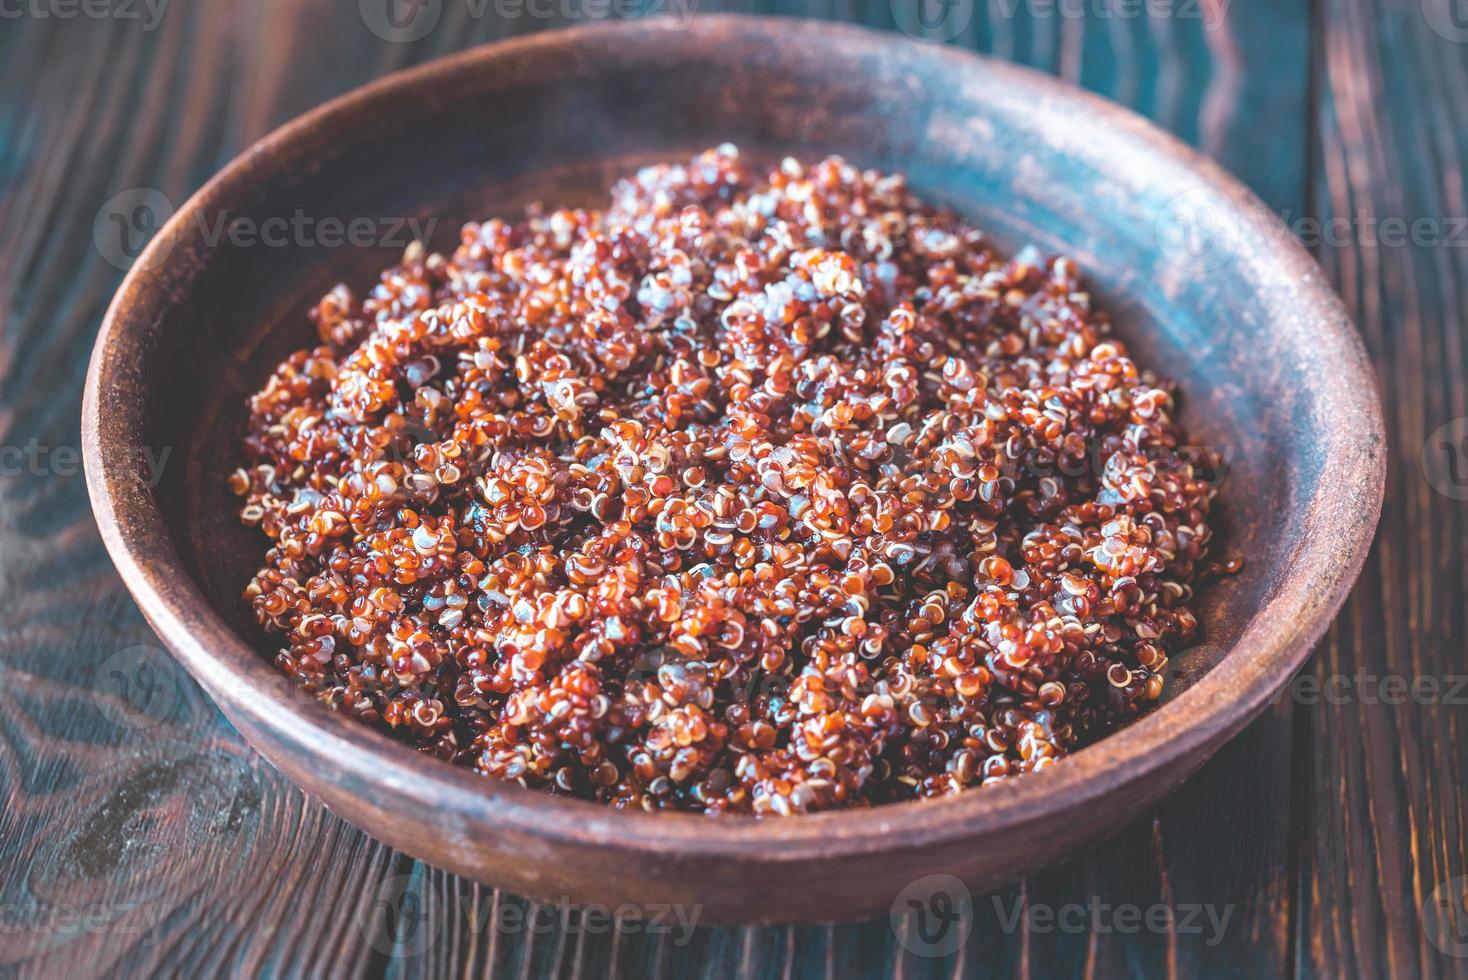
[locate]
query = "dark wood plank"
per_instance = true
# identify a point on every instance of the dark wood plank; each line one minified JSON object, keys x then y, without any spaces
{"x":1385,"y":809}
{"x":133,"y":843}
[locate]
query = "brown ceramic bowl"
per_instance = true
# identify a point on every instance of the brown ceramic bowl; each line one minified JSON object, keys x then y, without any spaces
{"x":1206,"y":288}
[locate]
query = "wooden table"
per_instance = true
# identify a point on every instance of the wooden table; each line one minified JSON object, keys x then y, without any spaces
{"x":1309,"y":845}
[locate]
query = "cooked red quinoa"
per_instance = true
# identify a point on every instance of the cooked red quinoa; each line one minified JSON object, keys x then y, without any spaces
{"x":747,"y":494}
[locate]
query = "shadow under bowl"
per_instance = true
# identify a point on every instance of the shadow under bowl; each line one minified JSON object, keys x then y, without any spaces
{"x":1206,"y":287}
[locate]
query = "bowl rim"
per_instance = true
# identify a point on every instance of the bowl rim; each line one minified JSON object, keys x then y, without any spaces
{"x":1237,"y":688}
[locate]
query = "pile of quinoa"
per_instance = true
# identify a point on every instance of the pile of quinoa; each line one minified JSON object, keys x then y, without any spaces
{"x":752,"y":493}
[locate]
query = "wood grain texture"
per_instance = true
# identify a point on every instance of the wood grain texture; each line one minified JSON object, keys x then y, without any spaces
{"x":163,"y":845}
{"x":1385,"y":799}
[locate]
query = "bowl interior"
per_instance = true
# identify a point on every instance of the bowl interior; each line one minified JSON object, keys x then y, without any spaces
{"x":478,"y":138}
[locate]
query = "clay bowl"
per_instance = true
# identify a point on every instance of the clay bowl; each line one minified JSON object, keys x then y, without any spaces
{"x":1207,"y":289}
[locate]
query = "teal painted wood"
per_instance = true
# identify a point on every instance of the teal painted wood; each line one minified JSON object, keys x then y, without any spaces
{"x":170,"y":847}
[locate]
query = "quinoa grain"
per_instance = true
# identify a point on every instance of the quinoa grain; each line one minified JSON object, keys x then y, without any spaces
{"x":745,"y":495}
